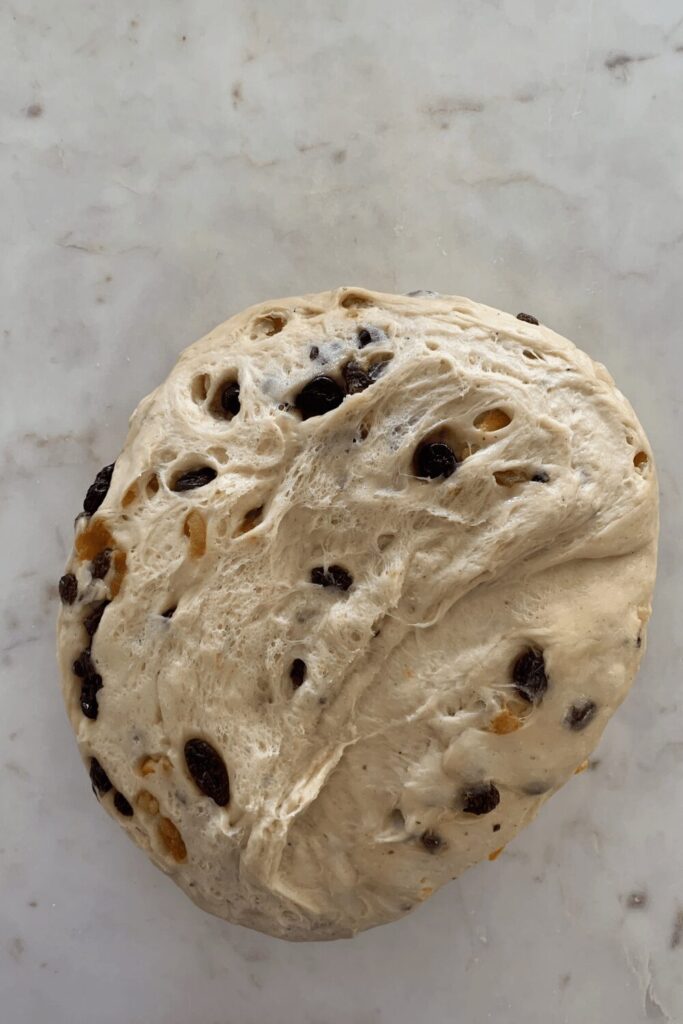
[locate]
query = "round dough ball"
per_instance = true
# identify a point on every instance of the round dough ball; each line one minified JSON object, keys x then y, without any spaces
{"x":362,"y":590}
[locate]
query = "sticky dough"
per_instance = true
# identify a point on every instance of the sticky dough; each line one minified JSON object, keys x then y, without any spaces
{"x":350,"y":779}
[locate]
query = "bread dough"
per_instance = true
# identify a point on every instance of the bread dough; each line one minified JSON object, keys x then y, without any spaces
{"x":357,"y":631}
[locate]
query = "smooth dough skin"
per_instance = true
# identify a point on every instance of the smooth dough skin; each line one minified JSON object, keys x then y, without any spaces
{"x":326,"y":644}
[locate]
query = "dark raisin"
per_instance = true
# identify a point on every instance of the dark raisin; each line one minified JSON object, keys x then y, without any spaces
{"x":83,"y":666}
{"x":92,"y":621}
{"x":639,"y":641}
{"x":90,"y":687}
{"x":333,"y":576}
{"x":314,"y":352}
{"x":541,"y":477}
{"x":356,"y":379}
{"x":431,"y":841}
{"x":320,"y":395}
{"x":434,"y":459}
{"x":369,"y":335}
{"x":99,"y":567}
{"x":168,"y":614}
{"x":527,"y":318}
{"x":99,"y":778}
{"x":208,"y":770}
{"x":195,"y":478}
{"x":122,"y":805}
{"x":480,"y":799}
{"x":68,"y":588}
{"x":97,"y":491}
{"x":230,"y":400}
{"x":297,"y":672}
{"x":529,"y":676}
{"x":580,"y":715}
{"x":496,"y":827}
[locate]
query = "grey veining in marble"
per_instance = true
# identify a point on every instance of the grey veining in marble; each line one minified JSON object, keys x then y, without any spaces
{"x":165,"y":164}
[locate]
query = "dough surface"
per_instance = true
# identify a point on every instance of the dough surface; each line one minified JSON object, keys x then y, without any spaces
{"x":325,"y":647}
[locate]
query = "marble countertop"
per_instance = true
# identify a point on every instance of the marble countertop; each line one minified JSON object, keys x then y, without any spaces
{"x":164,"y":165}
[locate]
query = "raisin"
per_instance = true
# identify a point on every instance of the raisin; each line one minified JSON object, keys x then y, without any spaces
{"x":496,"y":827}
{"x":434,"y":459}
{"x":356,"y":379}
{"x":83,"y":666}
{"x":480,"y":799}
{"x":320,"y":395}
{"x":527,"y":318}
{"x":100,"y":780}
{"x":529,"y":676}
{"x":333,"y":576}
{"x":369,"y":335}
{"x":297,"y":672}
{"x":580,"y":715}
{"x":314,"y":352}
{"x":99,"y":567}
{"x":68,"y":588}
{"x":90,"y":687}
{"x":92,"y":621}
{"x":122,"y":805}
{"x":195,"y":478}
{"x":230,"y":399}
{"x":208,"y":770}
{"x":97,"y":491}
{"x":169,"y":613}
{"x":431,"y":841}
{"x":541,"y":477}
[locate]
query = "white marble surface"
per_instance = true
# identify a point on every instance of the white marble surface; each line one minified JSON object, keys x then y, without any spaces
{"x":164,"y":164}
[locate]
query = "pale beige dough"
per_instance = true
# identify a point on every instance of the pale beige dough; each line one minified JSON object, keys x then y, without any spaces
{"x":347,"y":794}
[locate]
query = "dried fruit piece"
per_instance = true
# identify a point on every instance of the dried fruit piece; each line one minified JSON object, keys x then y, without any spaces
{"x":580,"y":715}
{"x":527,"y":318}
{"x":495,"y":854}
{"x":172,"y":839}
{"x":195,"y":529}
{"x":297,"y":672}
{"x":94,"y":538}
{"x":540,"y":478}
{"x":207,"y":768}
{"x":99,"y":567}
{"x":147,"y":802}
{"x":369,"y":335}
{"x":68,"y":588}
{"x":122,"y":805}
{"x":480,"y":799}
{"x":92,"y":621}
{"x":320,"y":395}
{"x":582,"y":767}
{"x":505,"y":722}
{"x":314,"y":352}
{"x":149,"y":764}
{"x":119,"y":572}
{"x":90,"y":687}
{"x":529,"y":675}
{"x":434,"y":459}
{"x":194,"y":478}
{"x":99,"y":778}
{"x":640,"y":460}
{"x":169,"y":613}
{"x":251,"y":519}
{"x":491,"y":420}
{"x":97,"y":491}
{"x":355,"y":378}
{"x":230,"y":398}
{"x":510,"y":477}
{"x":431,"y":841}
{"x":333,"y":576}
